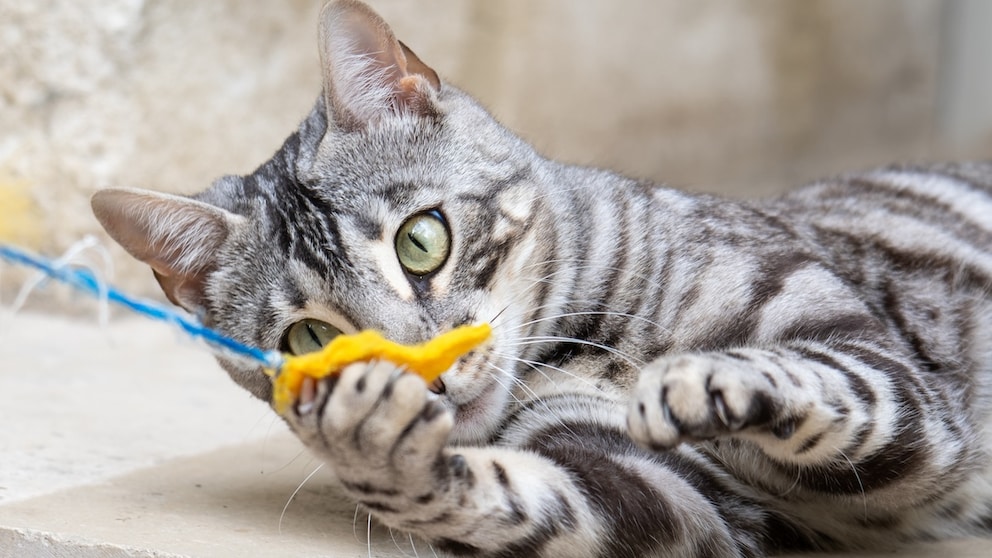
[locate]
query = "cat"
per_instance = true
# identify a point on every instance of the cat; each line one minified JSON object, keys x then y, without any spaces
{"x":669,"y":374}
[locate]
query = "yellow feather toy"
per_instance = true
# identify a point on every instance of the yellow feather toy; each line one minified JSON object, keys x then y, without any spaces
{"x":427,"y":360}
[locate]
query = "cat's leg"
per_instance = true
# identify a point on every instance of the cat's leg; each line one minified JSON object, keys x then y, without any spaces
{"x":573,"y":489}
{"x":803,"y":403}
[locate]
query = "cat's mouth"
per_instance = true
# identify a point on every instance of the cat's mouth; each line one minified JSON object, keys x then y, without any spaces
{"x":475,"y":396}
{"x":476,"y":417}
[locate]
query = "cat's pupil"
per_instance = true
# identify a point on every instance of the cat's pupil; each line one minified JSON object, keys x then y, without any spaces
{"x":307,"y":336}
{"x":416,"y":242}
{"x":423,"y":243}
{"x":313,"y":334}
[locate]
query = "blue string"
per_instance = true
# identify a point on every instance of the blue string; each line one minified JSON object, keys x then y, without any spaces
{"x":84,"y":280}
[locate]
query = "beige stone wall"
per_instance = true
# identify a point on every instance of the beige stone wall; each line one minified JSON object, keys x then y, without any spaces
{"x":736,"y":97}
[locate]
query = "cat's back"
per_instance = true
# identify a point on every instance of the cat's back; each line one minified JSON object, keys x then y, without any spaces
{"x":933,"y":220}
{"x":952,"y":198}
{"x":916,"y":243}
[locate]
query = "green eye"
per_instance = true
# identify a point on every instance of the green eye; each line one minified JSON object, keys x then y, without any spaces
{"x":309,"y":336}
{"x":423,"y":243}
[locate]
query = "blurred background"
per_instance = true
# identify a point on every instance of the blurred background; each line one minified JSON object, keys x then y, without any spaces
{"x":732,"y":97}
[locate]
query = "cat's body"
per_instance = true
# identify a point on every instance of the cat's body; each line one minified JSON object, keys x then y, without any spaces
{"x":826,"y":356}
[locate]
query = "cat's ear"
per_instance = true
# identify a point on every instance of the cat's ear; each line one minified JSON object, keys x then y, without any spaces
{"x":368,"y":73}
{"x":178,"y":237}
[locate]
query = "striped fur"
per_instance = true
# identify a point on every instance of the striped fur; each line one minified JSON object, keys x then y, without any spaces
{"x":670,"y":374}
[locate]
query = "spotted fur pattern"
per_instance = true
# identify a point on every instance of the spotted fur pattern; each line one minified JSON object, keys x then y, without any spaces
{"x":670,"y":374}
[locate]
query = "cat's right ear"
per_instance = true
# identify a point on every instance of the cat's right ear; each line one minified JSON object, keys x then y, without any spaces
{"x":178,"y":237}
{"x":368,"y":73}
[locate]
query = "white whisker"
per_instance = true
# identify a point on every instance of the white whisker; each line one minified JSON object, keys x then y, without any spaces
{"x":413,"y":545}
{"x":582,"y":264}
{"x":591,"y":313}
{"x":368,"y":535}
{"x":354,"y":522}
{"x":534,"y":398}
{"x":536,"y":366}
{"x":857,"y":476}
{"x":392,"y":537}
{"x":535,"y":340}
{"x":513,"y":379}
{"x":293,"y":495}
{"x":291,"y":461}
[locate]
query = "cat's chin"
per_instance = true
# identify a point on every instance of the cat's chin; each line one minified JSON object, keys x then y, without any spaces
{"x":478,"y":418}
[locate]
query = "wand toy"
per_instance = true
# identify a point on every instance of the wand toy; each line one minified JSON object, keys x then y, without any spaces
{"x":428,"y":360}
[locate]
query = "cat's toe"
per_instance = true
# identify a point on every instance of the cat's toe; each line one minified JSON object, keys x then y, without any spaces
{"x":692,"y":397}
{"x":649,"y":420}
{"x":360,"y":391}
{"x":402,"y":402}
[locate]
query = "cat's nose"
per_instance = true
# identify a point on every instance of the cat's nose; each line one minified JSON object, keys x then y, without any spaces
{"x":437,"y":386}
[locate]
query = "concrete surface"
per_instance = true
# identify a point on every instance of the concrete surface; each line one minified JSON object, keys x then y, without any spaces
{"x":128,"y":441}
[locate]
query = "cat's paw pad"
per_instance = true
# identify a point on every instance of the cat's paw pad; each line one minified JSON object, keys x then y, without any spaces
{"x":696,"y":397}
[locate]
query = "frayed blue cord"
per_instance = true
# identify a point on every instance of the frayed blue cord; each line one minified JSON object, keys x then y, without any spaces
{"x":84,"y":280}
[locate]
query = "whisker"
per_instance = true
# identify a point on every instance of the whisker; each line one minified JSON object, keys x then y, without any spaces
{"x":515,"y":380}
{"x":559,"y":191}
{"x":299,"y":454}
{"x":536,"y":340}
{"x":536,"y":366}
{"x":413,"y":545}
{"x":526,"y":291}
{"x":534,"y":398}
{"x":396,"y":543}
{"x":293,"y":495}
{"x":499,"y":313}
{"x":546,"y":279}
{"x":592,"y":313}
{"x":368,"y":535}
{"x":573,"y":301}
{"x":792,"y":486}
{"x":583,"y":264}
{"x":857,"y":476}
{"x":354,"y":522}
{"x":536,"y":282}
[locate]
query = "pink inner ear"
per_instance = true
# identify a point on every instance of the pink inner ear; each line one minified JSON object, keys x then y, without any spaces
{"x":377,"y":44}
{"x":178,"y":237}
{"x":415,"y":66}
{"x":366,"y":70}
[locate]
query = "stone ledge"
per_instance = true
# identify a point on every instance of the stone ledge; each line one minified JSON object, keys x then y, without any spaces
{"x":244,"y":500}
{"x":26,"y":542}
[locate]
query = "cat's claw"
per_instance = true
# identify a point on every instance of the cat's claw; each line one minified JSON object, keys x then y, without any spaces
{"x":308,"y":392}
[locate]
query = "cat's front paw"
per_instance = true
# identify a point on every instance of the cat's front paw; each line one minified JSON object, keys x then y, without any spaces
{"x":379,"y":428}
{"x":697,"y":397}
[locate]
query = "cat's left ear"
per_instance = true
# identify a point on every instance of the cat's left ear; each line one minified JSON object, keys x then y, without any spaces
{"x":368,"y":73}
{"x":178,"y":237}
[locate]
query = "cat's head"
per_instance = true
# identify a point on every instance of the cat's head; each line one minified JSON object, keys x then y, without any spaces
{"x":399,"y":205}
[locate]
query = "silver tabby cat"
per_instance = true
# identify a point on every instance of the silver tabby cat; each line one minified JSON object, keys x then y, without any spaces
{"x":670,"y":374}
